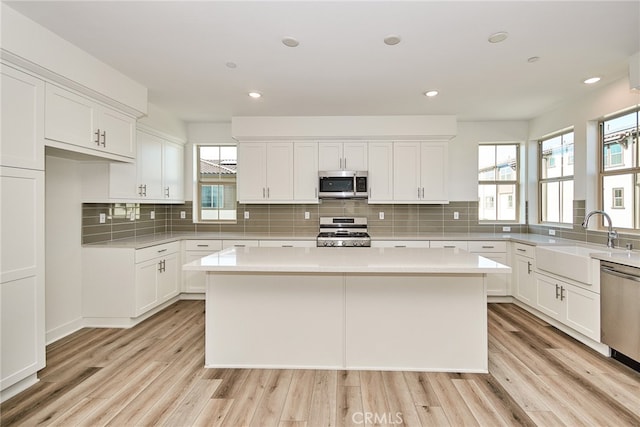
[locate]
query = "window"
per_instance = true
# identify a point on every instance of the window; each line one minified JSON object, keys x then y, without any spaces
{"x":217,"y":167}
{"x":620,"y":169}
{"x":556,"y":178}
{"x":618,"y":198}
{"x":498,"y":182}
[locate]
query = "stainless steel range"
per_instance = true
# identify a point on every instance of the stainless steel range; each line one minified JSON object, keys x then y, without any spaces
{"x":343,"y":232}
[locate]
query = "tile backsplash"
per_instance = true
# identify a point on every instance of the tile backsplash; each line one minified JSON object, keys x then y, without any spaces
{"x":134,"y":220}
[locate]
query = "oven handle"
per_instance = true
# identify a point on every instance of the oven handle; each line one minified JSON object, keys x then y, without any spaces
{"x":620,"y":274}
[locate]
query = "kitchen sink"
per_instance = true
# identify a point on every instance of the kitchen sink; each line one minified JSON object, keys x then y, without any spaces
{"x":573,"y":262}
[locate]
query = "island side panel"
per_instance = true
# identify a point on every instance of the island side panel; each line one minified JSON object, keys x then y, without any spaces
{"x":263,"y":320}
{"x":416,"y":322}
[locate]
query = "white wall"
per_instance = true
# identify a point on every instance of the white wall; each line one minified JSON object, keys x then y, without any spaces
{"x":581,"y":113}
{"x":164,"y":122}
{"x":463,"y":152}
{"x":63,"y":222}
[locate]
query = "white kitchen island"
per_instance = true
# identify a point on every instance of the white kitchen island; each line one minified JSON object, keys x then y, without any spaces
{"x":347,"y":308}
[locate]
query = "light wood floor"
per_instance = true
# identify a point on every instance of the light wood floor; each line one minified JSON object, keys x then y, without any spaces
{"x":153,"y":375}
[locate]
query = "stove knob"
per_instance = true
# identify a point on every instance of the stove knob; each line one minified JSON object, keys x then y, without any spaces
{"x":325,"y":243}
{"x":332,"y":243}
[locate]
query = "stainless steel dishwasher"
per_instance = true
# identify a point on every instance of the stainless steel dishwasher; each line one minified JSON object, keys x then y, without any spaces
{"x":620,"y":311}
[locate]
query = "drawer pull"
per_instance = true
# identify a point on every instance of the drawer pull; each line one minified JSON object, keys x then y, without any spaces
{"x":287,"y":246}
{"x":449,"y":247}
{"x":400,"y":246}
{"x":487,"y":247}
{"x":203,"y":246}
{"x":521,"y":250}
{"x":239,"y":246}
{"x":162,"y":250}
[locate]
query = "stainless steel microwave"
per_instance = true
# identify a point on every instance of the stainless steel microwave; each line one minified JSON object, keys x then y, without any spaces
{"x":342,"y":185}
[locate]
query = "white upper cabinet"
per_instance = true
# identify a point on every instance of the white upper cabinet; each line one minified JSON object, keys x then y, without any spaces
{"x":305,"y":172}
{"x":342,"y":156}
{"x":173,"y":171}
{"x":22,"y":120}
{"x":420,"y":172}
{"x":77,"y":123}
{"x":380,"y":176}
{"x":265,"y":172}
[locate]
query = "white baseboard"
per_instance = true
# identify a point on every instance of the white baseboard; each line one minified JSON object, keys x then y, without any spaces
{"x":18,"y":387}
{"x":63,"y":330}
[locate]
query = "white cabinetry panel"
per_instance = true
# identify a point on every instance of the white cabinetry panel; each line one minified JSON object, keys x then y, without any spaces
{"x":305,"y":172}
{"x":420,"y":172}
{"x":380,"y":176}
{"x":265,"y":172}
{"x":342,"y":156}
{"x":22,"y":120}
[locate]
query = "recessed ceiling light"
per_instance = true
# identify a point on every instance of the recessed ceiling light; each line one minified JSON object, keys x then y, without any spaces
{"x":290,"y":42}
{"x":498,"y":37}
{"x":392,"y":39}
{"x":431,"y":93}
{"x":533,"y":59}
{"x":231,"y":64}
{"x":255,"y":95}
{"x":592,"y":80}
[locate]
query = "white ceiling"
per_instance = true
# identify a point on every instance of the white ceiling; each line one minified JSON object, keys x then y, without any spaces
{"x":179,"y":49}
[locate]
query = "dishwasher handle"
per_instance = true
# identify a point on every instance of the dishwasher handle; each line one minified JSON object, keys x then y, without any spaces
{"x":620,"y":274}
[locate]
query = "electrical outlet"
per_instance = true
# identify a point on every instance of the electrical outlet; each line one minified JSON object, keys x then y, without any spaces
{"x":246,"y":214}
{"x":552,"y":232}
{"x":380,"y":215}
{"x":103,"y":218}
{"x":506,"y":228}
{"x":132,"y":215}
{"x":307,"y":215}
{"x":456,"y":215}
{"x":152,"y":214}
{"x":183,"y":215}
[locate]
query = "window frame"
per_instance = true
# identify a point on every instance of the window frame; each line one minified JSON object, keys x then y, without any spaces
{"x":498,"y":182}
{"x":559,"y":179}
{"x":634,"y":171}
{"x":199,"y":183}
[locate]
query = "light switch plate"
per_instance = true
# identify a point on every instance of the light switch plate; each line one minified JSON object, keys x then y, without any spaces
{"x":456,"y":215}
{"x":152,"y":214}
{"x":183,"y":215}
{"x":246,"y":214}
{"x":381,"y":215}
{"x":307,"y":215}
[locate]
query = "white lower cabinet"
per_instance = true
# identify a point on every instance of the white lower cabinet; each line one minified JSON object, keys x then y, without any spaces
{"x":122,"y":284}
{"x":497,"y":284}
{"x":195,"y":281}
{"x":569,"y":304}
{"x":523,"y":273}
{"x":287,"y":243}
{"x":400,"y":244}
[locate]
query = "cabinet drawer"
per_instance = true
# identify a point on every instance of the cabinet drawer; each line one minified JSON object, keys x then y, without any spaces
{"x":156,"y":251}
{"x":240,"y":243}
{"x":460,"y":244}
{"x":487,"y":246}
{"x":203,"y":245}
{"x":288,"y":243}
{"x":524,"y":250}
{"x":400,"y":244}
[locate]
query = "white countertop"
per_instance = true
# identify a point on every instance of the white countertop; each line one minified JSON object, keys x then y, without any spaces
{"x":347,"y":260}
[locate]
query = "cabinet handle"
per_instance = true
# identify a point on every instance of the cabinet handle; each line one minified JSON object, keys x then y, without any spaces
{"x":263,"y":192}
{"x":287,"y":246}
{"x":487,"y":247}
{"x":418,"y":192}
{"x":557,"y":291}
{"x":140,"y":190}
{"x":561,"y":293}
{"x":449,"y":247}
{"x":268,"y":196}
{"x":166,"y":192}
{"x":160,"y":266}
{"x":521,"y":250}
{"x":345,"y":163}
{"x":203,"y":246}
{"x":400,"y":246}
{"x":104,"y":138}
{"x":316,"y":192}
{"x":97,"y":134}
{"x":162,"y":250}
{"x":528,"y":267}
{"x":423,"y":192}
{"x":239,"y":246}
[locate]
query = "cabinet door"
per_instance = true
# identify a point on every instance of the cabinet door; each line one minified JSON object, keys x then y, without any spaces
{"x":168,"y":278}
{"x":252,"y":172}
{"x":548,"y":297}
{"x":122,"y":181}
{"x":305,"y":172}
{"x":406,"y":171}
{"x":149,"y":166}
{"x":380,"y":176}
{"x":22,"y":120}
{"x":354,"y":156}
{"x":70,"y":118}
{"x":329,"y":156}
{"x":525,"y":280}
{"x":117,"y":132}
{"x":497,"y":284}
{"x":279,"y":168}
{"x":194,"y":281}
{"x":433,"y":172}
{"x":146,"y":285}
{"x":173,"y":171}
{"x":582,"y":310}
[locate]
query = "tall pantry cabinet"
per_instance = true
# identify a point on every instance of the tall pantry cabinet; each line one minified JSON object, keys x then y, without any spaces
{"x":22,"y":251}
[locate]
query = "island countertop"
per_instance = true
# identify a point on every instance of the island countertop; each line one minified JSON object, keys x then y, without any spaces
{"x":347,"y":260}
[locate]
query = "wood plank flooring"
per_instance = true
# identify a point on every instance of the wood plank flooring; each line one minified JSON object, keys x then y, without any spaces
{"x":153,"y":375}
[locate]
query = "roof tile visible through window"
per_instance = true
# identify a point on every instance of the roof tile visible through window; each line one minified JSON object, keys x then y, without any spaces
{"x":224,"y":167}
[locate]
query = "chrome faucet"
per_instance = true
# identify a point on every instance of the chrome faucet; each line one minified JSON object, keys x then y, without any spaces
{"x":611,"y":234}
